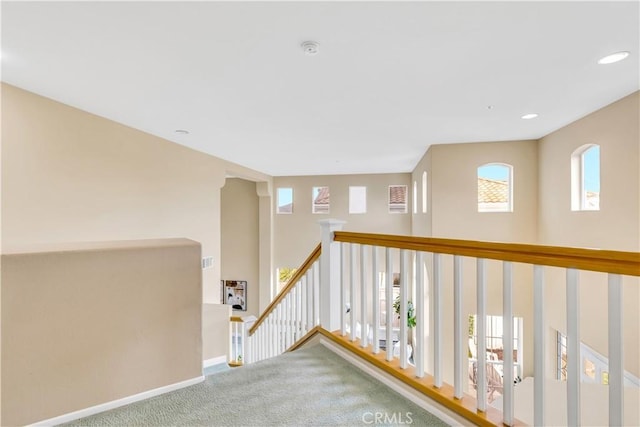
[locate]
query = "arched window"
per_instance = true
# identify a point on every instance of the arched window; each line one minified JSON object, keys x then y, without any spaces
{"x":585,"y":178}
{"x":415,"y":197}
{"x":495,"y":188}
{"x":424,"y":192}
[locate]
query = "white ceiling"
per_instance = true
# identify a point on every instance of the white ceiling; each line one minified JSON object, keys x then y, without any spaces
{"x":391,"y":78}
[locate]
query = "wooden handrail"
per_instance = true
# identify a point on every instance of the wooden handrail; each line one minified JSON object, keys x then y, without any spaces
{"x":302,"y":270}
{"x":606,"y":261}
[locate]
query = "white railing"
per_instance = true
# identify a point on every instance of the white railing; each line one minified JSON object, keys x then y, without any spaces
{"x":351,"y":282}
{"x":239,"y":331}
{"x":290,"y":316}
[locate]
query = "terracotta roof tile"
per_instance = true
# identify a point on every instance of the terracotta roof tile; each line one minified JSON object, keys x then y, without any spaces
{"x":398,"y":194}
{"x":492,"y":191}
{"x":323,"y":196}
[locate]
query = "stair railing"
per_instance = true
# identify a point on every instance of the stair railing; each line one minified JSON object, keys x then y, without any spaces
{"x":291,"y":314}
{"x":342,"y":283}
{"x":420,"y":262}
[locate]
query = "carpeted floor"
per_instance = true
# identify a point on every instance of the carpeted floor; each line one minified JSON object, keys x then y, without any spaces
{"x":311,"y":386}
{"x":220,"y":367}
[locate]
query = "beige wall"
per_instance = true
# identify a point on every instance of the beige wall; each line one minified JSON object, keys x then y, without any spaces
{"x":615,"y":226}
{"x":72,"y":176}
{"x":454,"y":195}
{"x":298,"y":233}
{"x":216,"y":330}
{"x":240,"y":238}
{"x":88,"y":324}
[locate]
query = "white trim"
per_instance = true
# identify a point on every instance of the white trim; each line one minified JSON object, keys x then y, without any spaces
{"x":72,"y":416}
{"x":395,"y":384}
{"x":214,"y":361}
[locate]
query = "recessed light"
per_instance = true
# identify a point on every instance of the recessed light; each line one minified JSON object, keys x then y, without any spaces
{"x":614,"y":57}
{"x":182,"y":132}
{"x":530,"y":116}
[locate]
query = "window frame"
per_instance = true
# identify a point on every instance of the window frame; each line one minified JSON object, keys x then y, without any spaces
{"x":315,"y":206}
{"x":352,"y":200}
{"x":278,"y":206}
{"x":578,"y":187}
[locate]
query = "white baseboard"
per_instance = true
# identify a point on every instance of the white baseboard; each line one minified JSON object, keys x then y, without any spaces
{"x":407,"y":392}
{"x":214,"y":361}
{"x":72,"y":416}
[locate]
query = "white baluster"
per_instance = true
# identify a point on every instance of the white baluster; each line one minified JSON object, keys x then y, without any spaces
{"x":481,"y":331}
{"x":352,"y":291}
{"x":538,"y":346}
{"x":309,"y":298}
{"x":243,"y":343}
{"x":269,"y":338}
{"x":375,"y":299}
{"x":273,"y":338}
{"x":299,"y":326}
{"x":573,"y":348}
{"x":437,"y":320}
{"x":459,"y":349}
{"x":285,"y":325}
{"x":238,"y":342}
{"x":363,"y":297}
{"x":302,"y":302}
{"x":232,"y":330}
{"x":402,"y":341}
{"x":616,"y":346}
{"x":295,"y":309}
{"x":343,"y":292}
{"x":289,"y":320}
{"x":280,"y":331}
{"x":418,"y":351}
{"x":507,"y":343}
{"x":316,"y":294}
{"x":294,"y":313}
{"x":389,"y":303}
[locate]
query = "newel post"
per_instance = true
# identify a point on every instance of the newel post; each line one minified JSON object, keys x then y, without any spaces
{"x":330,"y":275}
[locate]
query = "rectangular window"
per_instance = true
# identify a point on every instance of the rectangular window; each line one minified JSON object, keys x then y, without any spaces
{"x":495,"y":188}
{"x":320,"y":200}
{"x":424,"y":192}
{"x":397,"y":199}
{"x":357,"y":200}
{"x":285,"y":200}
{"x":415,"y":197}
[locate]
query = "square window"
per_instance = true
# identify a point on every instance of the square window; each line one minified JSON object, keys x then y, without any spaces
{"x":357,"y":200}
{"x":285,"y":201}
{"x":397,"y":199}
{"x":321,"y":201}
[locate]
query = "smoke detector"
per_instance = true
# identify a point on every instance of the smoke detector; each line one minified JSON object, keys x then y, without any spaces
{"x":310,"y":48}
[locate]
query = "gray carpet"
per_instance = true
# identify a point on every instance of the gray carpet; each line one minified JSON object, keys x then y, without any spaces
{"x":220,"y":367}
{"x":311,"y":386}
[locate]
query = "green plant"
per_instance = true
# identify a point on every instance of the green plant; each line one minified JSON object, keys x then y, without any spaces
{"x":411,"y":312}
